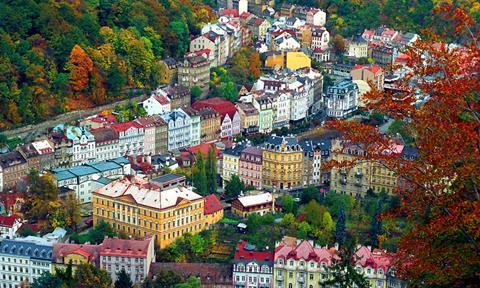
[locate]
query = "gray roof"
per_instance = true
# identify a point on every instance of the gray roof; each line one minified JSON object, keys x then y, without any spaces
{"x":167,"y":177}
{"x":26,"y":249}
{"x":82,"y":170}
{"x":104,"y":166}
{"x":119,"y":160}
{"x":277,"y":140}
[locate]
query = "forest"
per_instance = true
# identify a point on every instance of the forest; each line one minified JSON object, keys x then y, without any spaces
{"x":57,"y":55}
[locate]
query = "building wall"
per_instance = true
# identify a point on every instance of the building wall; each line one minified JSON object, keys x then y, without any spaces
{"x":210,"y":129}
{"x":282,"y":169}
{"x":161,"y":139}
{"x":230,"y":167}
{"x":297,"y":60}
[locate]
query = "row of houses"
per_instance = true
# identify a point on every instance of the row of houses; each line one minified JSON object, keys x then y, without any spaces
{"x":302,"y":263}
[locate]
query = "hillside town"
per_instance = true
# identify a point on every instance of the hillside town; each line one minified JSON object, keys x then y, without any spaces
{"x":215,"y":165}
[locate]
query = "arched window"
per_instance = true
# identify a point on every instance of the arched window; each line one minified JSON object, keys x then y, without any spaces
{"x":380,"y":271}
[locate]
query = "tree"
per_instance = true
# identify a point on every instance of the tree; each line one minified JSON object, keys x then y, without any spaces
{"x":89,"y":276}
{"x":47,"y":279}
{"x":26,"y":230}
{"x":327,"y":222}
{"x":72,"y":208}
{"x":308,"y":194}
{"x":288,"y":204}
{"x":439,"y":195}
{"x":303,"y":230}
{"x":343,"y":273}
{"x":123,"y":280}
{"x":255,"y":65}
{"x":166,"y":279}
{"x":211,"y":170}
{"x":192,"y":282}
{"x":313,"y":213}
{"x":338,"y":44}
{"x":234,"y":187}
{"x":340,"y":230}
{"x":199,"y":175}
{"x":289,"y":221}
{"x":195,"y":93}
{"x":98,"y":233}
{"x":80,"y":67}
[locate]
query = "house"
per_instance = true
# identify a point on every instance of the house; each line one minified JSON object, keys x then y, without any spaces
{"x":179,"y":96}
{"x":169,"y":180}
{"x":263,"y":104}
{"x":294,"y":22}
{"x":151,"y":125}
{"x":321,"y":55}
{"x":316,"y":17}
{"x":24,"y":260}
{"x":260,"y":204}
{"x":230,"y":164}
{"x":97,"y":121}
{"x":179,"y":129}
{"x":382,"y":53}
{"x":230,"y":117}
{"x":82,"y":144}
{"x":168,"y":70}
{"x":106,"y":143}
{"x":367,"y":73}
{"x":131,"y":136}
{"x":250,"y":167}
{"x":320,"y":38}
{"x":213,"y":42}
{"x":157,"y":103}
{"x":213,"y":210}
{"x":357,"y":47}
{"x":248,"y":118}
{"x":274,"y":60}
{"x":133,"y":256}
{"x":194,"y":71}
{"x":9,"y":226}
{"x":195,"y":125}
{"x":77,"y":254}
{"x":285,"y":41}
{"x":210,"y":125}
{"x":13,"y":167}
{"x":259,"y":27}
{"x":252,"y":266}
{"x":341,"y":99}
{"x":297,"y":60}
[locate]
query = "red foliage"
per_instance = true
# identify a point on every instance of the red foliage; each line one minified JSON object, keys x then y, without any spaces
{"x":80,"y":66}
{"x":442,"y":202}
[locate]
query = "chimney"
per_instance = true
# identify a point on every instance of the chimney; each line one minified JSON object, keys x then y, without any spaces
{"x":336,"y":246}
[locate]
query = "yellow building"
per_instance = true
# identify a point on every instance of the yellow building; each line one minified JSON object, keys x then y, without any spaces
{"x":210,"y":124}
{"x":282,"y":159}
{"x":275,"y":60}
{"x":140,"y":209}
{"x":230,"y":164}
{"x":168,"y":71}
{"x":213,"y":210}
{"x":260,"y":204}
{"x":297,"y":60}
{"x":248,"y":117}
{"x":77,"y":254}
{"x":364,"y":175}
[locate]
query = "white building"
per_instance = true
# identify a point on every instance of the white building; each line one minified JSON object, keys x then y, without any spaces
{"x":83,"y":143}
{"x":357,"y":47}
{"x":320,"y":38}
{"x":316,"y":17}
{"x":106,"y":143}
{"x":9,"y":226}
{"x":179,"y":129}
{"x":285,"y":41}
{"x":131,"y":138}
{"x":281,"y":101}
{"x":157,"y":103}
{"x":252,"y":268}
{"x":85,"y":179}
{"x":341,"y":99}
{"x":299,"y":105}
{"x":24,"y":260}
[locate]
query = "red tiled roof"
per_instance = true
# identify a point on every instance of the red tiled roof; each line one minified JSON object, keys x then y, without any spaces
{"x":245,"y":15}
{"x":289,"y":249}
{"x":375,"y":259}
{"x":125,"y":247}
{"x":87,"y":250}
{"x":220,"y":105}
{"x":242,"y":254}
{"x":373,"y":68}
{"x":212,"y":204}
{"x":122,"y":127}
{"x":7,"y":221}
{"x":161,"y":99}
{"x":231,"y":12}
{"x":204,"y":148}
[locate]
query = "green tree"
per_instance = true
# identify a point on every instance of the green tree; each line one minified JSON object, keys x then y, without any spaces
{"x":343,"y":273}
{"x":47,"y":279}
{"x":340,"y":229}
{"x":211,"y":170}
{"x":327,"y":222}
{"x":288,"y":204}
{"x":310,"y":193}
{"x":89,"y":276}
{"x":98,"y":233}
{"x":123,"y":280}
{"x":192,"y":282}
{"x":26,"y":231}
{"x":199,"y":175}
{"x":228,"y":91}
{"x":234,"y":187}
{"x":289,"y":221}
{"x":195,"y":93}
{"x":166,"y":279}
{"x":313,"y":213}
{"x":304,"y":229}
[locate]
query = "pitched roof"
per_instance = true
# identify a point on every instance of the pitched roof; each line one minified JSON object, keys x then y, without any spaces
{"x":292,"y":248}
{"x":122,"y":127}
{"x":212,"y":204}
{"x":245,"y":251}
{"x":7,"y":221}
{"x":125,"y":247}
{"x":104,"y":134}
{"x":254,"y":200}
{"x":64,"y":249}
{"x":161,"y":99}
{"x":372,"y":68}
{"x":220,"y":105}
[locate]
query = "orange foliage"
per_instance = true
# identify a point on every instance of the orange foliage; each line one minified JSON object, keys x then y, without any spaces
{"x":440,"y":192}
{"x":80,"y":67}
{"x":254,"y":65}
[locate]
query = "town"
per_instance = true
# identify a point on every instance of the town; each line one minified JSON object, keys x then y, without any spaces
{"x":227,"y":173}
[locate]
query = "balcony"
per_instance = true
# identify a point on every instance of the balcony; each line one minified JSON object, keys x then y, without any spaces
{"x":301,"y":279}
{"x":359,"y":174}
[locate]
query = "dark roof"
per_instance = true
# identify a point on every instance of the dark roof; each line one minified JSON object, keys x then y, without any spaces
{"x":358,"y":39}
{"x":26,"y":248}
{"x":170,"y":61}
{"x":410,"y":153}
{"x":277,"y":140}
{"x":11,"y":159}
{"x":168,"y":178}
{"x":235,"y":150}
{"x":104,"y":134}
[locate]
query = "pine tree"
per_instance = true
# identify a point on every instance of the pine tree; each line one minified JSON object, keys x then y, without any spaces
{"x":343,"y":273}
{"x":376,"y":226}
{"x":123,"y":280}
{"x":340,"y":232}
{"x":211,"y":171}
{"x":199,"y":175}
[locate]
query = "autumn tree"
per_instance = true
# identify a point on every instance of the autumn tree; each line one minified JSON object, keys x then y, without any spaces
{"x":80,"y":67}
{"x":255,"y":65}
{"x":439,"y":194}
{"x":88,"y":276}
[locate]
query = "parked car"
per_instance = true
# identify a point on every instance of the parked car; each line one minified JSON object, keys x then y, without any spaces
{"x":89,"y":222}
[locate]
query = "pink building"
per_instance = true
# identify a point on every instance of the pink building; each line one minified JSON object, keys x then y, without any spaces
{"x":250,"y":167}
{"x":149,"y":126}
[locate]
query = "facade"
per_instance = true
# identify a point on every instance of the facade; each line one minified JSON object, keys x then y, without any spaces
{"x":213,"y":211}
{"x":82,"y":143}
{"x":168,"y":70}
{"x":342,"y":99}
{"x":320,"y":38}
{"x":258,"y":27}
{"x":161,"y":135}
{"x":210,"y":123}
{"x":250,"y":167}
{"x":248,"y":118}
{"x":179,"y":96}
{"x":213,"y":42}
{"x":357,"y":47}
{"x":382,"y":53}
{"x":179,"y":129}
{"x":316,"y":17}
{"x":13,"y":166}
{"x":265,"y":113}
{"x":157,"y":103}
{"x":106,"y":143}
{"x":9,"y":226}
{"x":367,"y":73}
{"x":252,"y":268}
{"x":282,"y":164}
{"x":46,"y":151}
{"x":149,"y":124}
{"x":77,"y":254}
{"x":281,"y":101}
{"x":312,"y":160}
{"x":260,"y":204}
{"x":195,"y":125}
{"x":140,"y":209}
{"x":24,"y":260}
{"x":230,"y":164}
{"x":195,"y":71}
{"x":85,"y":179}
{"x":133,"y":256}
{"x":230,"y":118}
{"x":131,"y":138}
